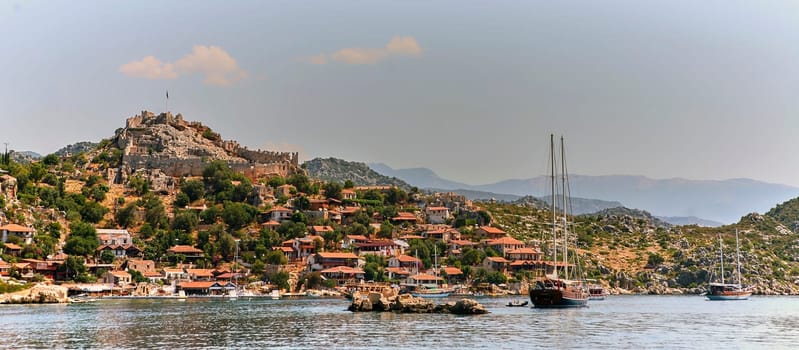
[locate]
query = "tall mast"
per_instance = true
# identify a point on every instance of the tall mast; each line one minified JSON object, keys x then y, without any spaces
{"x":563,"y":203}
{"x":554,"y":214}
{"x":721,"y":253}
{"x":738,"y":257}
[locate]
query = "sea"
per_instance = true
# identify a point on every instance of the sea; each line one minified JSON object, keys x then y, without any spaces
{"x":619,"y":322}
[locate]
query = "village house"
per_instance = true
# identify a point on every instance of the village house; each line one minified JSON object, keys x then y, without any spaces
{"x":48,"y":269}
{"x":334,"y":216}
{"x":172,"y":274}
{"x":404,"y":217}
{"x":113,"y":237}
{"x":490,"y":232}
{"x":378,"y":247}
{"x":343,"y":274}
{"x":505,"y":244}
{"x":280,"y":214}
{"x":437,"y":215}
{"x":523,"y":254}
{"x":285,"y":190}
{"x":270,"y":225}
{"x":12,"y":249}
{"x":24,"y":234}
{"x":425,"y":279}
{"x":321,"y":230}
{"x":142,"y":266}
{"x":120,"y":251}
{"x":351,"y":240}
{"x":496,"y":263}
{"x":119,"y":278}
{"x":405,"y":262}
{"x":200,"y":274}
{"x":325,"y":260}
{"x":348,"y":214}
{"x":206,"y":288}
{"x":397,"y":273}
{"x":453,"y":274}
{"x":187,"y":251}
{"x":456,"y":245}
{"x":348,"y":194}
{"x":288,"y":252}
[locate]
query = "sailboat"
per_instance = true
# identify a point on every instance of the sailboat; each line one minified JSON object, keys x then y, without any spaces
{"x":729,"y":291}
{"x":551,"y":291}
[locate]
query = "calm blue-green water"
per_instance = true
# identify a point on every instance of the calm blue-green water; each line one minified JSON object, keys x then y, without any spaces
{"x":631,"y":322}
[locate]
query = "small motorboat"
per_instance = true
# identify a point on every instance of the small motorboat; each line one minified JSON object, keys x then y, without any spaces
{"x":516,"y":303}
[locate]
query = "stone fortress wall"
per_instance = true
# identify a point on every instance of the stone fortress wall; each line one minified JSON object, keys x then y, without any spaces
{"x":148,"y":143}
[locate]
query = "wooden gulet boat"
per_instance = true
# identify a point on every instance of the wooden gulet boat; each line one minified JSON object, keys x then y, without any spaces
{"x":552,"y":291}
{"x":729,"y":291}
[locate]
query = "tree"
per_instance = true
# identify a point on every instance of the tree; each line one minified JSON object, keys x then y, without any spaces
{"x":193,"y":189}
{"x":185,"y":221}
{"x":280,"y":279}
{"x":137,"y":276}
{"x":258,"y":268}
{"x":181,"y":200}
{"x":238,"y":215}
{"x":349,"y":184}
{"x":126,"y":216}
{"x":386,"y":230}
{"x":396,"y":196}
{"x":73,"y":267}
{"x":333,"y":190}
{"x":107,"y":257}
{"x":302,"y":203}
{"x":50,"y":160}
{"x":276,"y":181}
{"x":313,"y":280}
{"x":276,"y":257}
{"x":82,"y":239}
{"x":226,"y":246}
{"x":93,"y":212}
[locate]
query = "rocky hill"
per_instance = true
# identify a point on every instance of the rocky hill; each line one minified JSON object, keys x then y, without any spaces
{"x":171,"y":146}
{"x":633,"y":251}
{"x":76,"y":148}
{"x":333,"y":169}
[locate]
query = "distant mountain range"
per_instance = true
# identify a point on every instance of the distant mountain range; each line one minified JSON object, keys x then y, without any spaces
{"x":681,"y":200}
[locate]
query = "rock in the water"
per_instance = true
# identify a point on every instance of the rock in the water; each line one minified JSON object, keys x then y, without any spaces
{"x":406,"y":303}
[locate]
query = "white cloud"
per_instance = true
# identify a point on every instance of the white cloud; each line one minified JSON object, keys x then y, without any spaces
{"x":214,"y":63}
{"x":398,"y":45}
{"x":318,"y":59}
{"x":149,"y":68}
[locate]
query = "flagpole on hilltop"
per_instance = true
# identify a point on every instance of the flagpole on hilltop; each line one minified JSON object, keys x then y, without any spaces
{"x":166,"y":106}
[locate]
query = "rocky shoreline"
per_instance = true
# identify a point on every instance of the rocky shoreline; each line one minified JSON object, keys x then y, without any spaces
{"x":406,"y":303}
{"x":39,"y":294}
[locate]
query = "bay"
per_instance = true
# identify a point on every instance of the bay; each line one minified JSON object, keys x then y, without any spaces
{"x":625,"y":322}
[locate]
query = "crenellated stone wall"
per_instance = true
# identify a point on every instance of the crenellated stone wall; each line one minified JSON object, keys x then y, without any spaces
{"x":179,"y":148}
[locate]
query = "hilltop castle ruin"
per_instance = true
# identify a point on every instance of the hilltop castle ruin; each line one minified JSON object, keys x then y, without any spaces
{"x":179,"y":148}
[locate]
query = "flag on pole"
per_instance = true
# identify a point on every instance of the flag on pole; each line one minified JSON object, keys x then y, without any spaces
{"x":167,"y":94}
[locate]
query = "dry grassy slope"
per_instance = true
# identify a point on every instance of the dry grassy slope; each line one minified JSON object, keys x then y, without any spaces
{"x":614,"y":244}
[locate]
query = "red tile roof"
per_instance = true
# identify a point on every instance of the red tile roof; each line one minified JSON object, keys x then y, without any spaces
{"x":498,"y":259}
{"x":426,"y":277}
{"x":337,"y":255}
{"x":505,"y":241}
{"x":452,"y":271}
{"x":407,"y":259}
{"x":184,"y":249}
{"x":524,"y":251}
{"x":492,"y":230}
{"x":322,"y":228}
{"x":16,"y":228}
{"x":279,"y":208}
{"x":197,"y":285}
{"x":200,"y":272}
{"x":12,"y":246}
{"x":437,"y":208}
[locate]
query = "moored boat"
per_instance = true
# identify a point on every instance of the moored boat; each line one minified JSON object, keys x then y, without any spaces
{"x":516,"y":303}
{"x":551,"y":291}
{"x":729,"y":291}
{"x":596,"y":291}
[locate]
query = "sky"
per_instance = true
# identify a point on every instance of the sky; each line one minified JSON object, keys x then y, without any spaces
{"x":470,"y":89}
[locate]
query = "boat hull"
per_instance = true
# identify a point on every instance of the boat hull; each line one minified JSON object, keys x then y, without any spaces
{"x":555,"y":298}
{"x":730,"y":296}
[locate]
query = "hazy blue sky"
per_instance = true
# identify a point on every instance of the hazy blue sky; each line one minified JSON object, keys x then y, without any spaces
{"x":694,"y":89}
